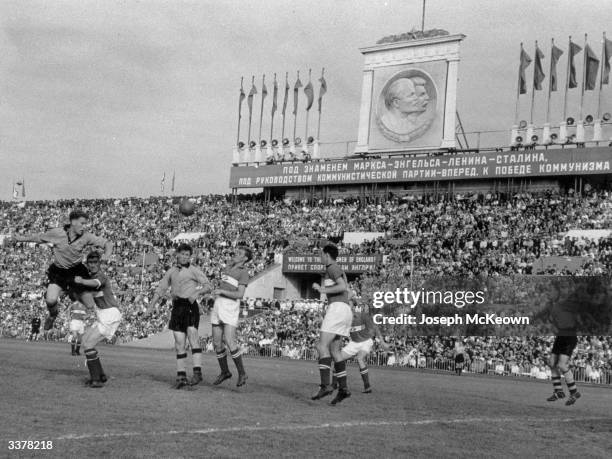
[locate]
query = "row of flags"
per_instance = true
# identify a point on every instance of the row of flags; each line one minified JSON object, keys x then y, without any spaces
{"x":162,"y":185}
{"x":19,"y":190}
{"x":590,"y":70}
{"x":309,"y":92}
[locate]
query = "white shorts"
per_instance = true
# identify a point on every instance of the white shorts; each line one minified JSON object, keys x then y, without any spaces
{"x":338,"y":319}
{"x":225,"y":311}
{"x":354,"y":348}
{"x":78,"y":326}
{"x":108,"y":321}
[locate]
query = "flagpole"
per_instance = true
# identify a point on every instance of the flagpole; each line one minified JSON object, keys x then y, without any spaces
{"x":251,"y":113}
{"x":518,"y":87}
{"x":534,"y":77}
{"x":272,"y":120}
{"x":285,"y":106}
{"x":297,"y":97}
{"x":603,"y":57}
{"x":308,"y":111}
{"x":584,"y":60}
{"x":239,"y":110}
{"x":263,"y":82}
{"x":567,"y":76}
{"x":552,"y":46}
{"x":320,"y":109}
{"x":142,"y":272}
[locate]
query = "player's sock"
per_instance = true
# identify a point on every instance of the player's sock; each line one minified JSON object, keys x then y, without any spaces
{"x":325,"y":370}
{"x":93,"y":364}
{"x":365,"y":376}
{"x":556,"y":380}
{"x":237,"y":356}
{"x":569,"y":380}
{"x":181,"y":365}
{"x":222,"y":359}
{"x":196,"y":356}
{"x":78,"y":348}
{"x":340,"y":374}
{"x":72,"y":347}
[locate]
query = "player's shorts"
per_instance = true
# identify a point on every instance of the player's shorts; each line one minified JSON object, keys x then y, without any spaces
{"x":564,"y":345}
{"x":78,"y":326}
{"x":64,"y":277}
{"x":225,"y":311}
{"x":354,"y":348}
{"x":35,"y":330}
{"x":108,"y":321}
{"x":338,"y":319}
{"x":184,"y":314}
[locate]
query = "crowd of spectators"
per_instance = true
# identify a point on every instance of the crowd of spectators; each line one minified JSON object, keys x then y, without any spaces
{"x":488,"y":234}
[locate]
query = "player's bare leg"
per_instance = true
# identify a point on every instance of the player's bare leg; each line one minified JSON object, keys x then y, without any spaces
{"x":325,"y":361}
{"x":363,"y":370}
{"x":564,"y":369}
{"x":220,"y":349}
{"x":181,"y":357}
{"x":90,"y":339}
{"x":339,"y":370}
{"x":196,"y":355}
{"x":52,"y":298}
{"x":556,"y":379}
{"x":229,"y":336}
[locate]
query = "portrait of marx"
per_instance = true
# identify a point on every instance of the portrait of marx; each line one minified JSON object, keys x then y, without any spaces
{"x":406,"y":108}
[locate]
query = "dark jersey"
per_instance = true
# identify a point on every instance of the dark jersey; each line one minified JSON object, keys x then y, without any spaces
{"x":333,"y":272}
{"x":103,"y":294}
{"x":231,"y":278}
{"x":36,"y":323}
{"x":362,"y":327}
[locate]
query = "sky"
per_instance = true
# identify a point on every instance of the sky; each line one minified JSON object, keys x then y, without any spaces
{"x":100,"y":98}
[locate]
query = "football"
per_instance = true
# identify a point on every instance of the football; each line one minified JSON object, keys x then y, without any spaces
{"x":187,"y":207}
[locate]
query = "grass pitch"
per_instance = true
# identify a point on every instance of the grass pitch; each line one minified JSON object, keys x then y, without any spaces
{"x":410,"y":413}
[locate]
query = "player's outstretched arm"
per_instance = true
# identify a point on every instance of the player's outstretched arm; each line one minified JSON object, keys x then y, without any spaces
{"x":26,"y":238}
{"x":236,"y":295}
{"x":93,"y":283}
{"x":338,"y":288}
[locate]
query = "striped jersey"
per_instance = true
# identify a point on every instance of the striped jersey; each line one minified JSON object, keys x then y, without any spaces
{"x":333,"y":272}
{"x":103,"y":295}
{"x":78,"y":313}
{"x":362,"y":327}
{"x":233,"y":277}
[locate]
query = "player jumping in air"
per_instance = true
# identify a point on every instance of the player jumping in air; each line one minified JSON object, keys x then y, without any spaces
{"x":336,"y":324}
{"x":77,"y":326}
{"x":107,"y":313}
{"x":183,"y":280}
{"x":226,"y":312}
{"x":363,"y":330}
{"x":69,"y":244}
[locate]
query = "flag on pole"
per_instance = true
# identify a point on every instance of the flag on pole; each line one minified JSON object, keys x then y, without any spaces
{"x":15,"y":191}
{"x":296,"y":88}
{"x":286,"y":96}
{"x":163,"y":183}
{"x":241,"y":98}
{"x":274,"y":96}
{"x":592,"y":65}
{"x":573,"y":51}
{"x":555,"y":54}
{"x":250,"y":98}
{"x":538,"y":72}
{"x":607,"y":56}
{"x":23,"y":188}
{"x":525,"y":61}
{"x":264,"y":92}
{"x":309,"y":91}
{"x":322,"y":91}
{"x":173,"y":177}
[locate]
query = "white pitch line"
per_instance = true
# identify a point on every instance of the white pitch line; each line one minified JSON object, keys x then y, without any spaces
{"x":330,"y":425}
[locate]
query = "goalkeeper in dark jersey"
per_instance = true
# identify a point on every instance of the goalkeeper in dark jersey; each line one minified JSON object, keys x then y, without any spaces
{"x":362,"y":331}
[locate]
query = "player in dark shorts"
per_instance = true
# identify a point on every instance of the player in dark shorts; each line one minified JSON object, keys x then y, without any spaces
{"x":563,"y":315}
{"x":226,"y":313}
{"x":336,"y":325}
{"x":183,"y":280}
{"x":69,"y":245}
{"x":108,"y":318}
{"x":459,"y":352}
{"x":35,"y":329}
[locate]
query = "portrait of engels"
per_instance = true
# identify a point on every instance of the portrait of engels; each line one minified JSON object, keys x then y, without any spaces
{"x":404,"y":113}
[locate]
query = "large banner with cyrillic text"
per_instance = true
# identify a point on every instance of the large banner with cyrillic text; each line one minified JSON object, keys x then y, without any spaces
{"x":524,"y":163}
